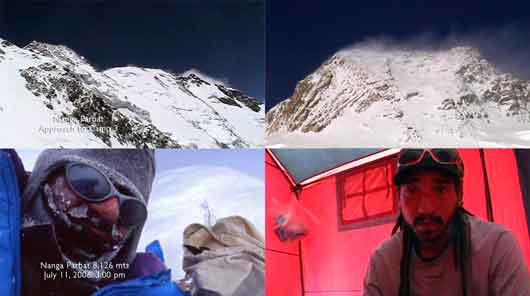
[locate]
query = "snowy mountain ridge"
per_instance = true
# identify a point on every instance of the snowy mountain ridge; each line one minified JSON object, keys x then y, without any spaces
{"x":53,"y":97}
{"x":380,"y":96}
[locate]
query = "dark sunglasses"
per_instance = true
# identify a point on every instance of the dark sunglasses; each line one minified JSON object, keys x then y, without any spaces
{"x":442,"y":156}
{"x":94,"y":186}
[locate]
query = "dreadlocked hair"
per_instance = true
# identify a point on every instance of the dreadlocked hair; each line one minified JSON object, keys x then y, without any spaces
{"x":461,"y":243}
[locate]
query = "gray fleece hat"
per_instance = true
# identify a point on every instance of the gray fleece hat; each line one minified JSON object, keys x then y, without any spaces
{"x":132,"y":168}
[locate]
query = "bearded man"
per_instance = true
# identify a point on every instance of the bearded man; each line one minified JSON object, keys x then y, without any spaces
{"x":441,"y":249}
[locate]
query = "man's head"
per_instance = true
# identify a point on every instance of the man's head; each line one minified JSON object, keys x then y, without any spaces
{"x":94,"y":199}
{"x":91,"y":210}
{"x":430,"y":189}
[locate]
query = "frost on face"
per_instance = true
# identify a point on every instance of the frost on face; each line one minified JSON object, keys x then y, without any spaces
{"x":79,"y":212}
{"x":93,"y":265}
{"x":96,"y":221}
{"x":28,"y":222}
{"x":50,"y":198}
{"x":116,"y":234}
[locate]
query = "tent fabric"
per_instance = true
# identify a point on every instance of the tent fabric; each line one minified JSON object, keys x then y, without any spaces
{"x":305,"y":163}
{"x":279,"y":195}
{"x":474,"y":183}
{"x":10,"y":274}
{"x":333,"y":260}
{"x":367,"y":193}
{"x":506,"y":197}
{"x":283,"y":272}
{"x":283,"y":275}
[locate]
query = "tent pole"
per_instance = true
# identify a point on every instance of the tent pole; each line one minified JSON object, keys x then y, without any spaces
{"x":297,"y":190}
{"x":522,"y":158}
{"x":489,"y":206}
{"x":301,"y":268}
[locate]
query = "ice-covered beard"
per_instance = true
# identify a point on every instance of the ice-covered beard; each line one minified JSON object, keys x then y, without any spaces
{"x":76,"y":243}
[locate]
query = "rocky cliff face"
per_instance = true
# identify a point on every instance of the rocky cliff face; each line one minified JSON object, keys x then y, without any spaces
{"x":404,"y":97}
{"x":57,"y":98}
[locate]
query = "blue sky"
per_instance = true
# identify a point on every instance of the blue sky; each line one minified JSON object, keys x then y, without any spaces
{"x":224,"y":39}
{"x":302,"y":34}
{"x":247,"y":161}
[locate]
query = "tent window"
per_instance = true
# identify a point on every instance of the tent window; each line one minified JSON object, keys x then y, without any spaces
{"x":366,"y":194}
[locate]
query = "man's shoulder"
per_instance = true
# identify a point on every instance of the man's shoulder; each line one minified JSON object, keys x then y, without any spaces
{"x":487,"y":228}
{"x":497,"y":251}
{"x":485,"y":233}
{"x":389,"y":249}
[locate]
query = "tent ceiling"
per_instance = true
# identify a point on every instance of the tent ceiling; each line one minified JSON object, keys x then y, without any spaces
{"x":306,"y":163}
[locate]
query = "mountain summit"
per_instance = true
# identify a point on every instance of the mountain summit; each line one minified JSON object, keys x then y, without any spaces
{"x":369,"y":96}
{"x":53,"y":97}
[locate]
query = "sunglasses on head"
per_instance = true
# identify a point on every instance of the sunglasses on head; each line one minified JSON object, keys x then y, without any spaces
{"x":442,"y":156}
{"x":94,"y":186}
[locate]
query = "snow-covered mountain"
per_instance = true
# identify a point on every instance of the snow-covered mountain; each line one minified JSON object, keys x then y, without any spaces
{"x":381,"y":96}
{"x":50,"y":97}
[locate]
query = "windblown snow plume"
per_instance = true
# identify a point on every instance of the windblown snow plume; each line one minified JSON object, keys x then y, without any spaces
{"x":52,"y":97}
{"x":382,"y":96}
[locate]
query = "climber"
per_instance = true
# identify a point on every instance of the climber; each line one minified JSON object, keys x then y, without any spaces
{"x":83,"y":213}
{"x":440,"y":247}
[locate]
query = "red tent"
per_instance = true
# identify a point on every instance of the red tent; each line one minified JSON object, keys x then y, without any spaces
{"x":349,"y":209}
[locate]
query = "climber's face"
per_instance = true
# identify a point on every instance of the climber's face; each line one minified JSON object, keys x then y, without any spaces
{"x":428,"y":200}
{"x":87,"y":227}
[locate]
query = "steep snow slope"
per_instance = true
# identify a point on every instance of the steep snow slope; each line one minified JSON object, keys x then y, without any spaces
{"x":367,"y":96}
{"x":51,"y":97}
